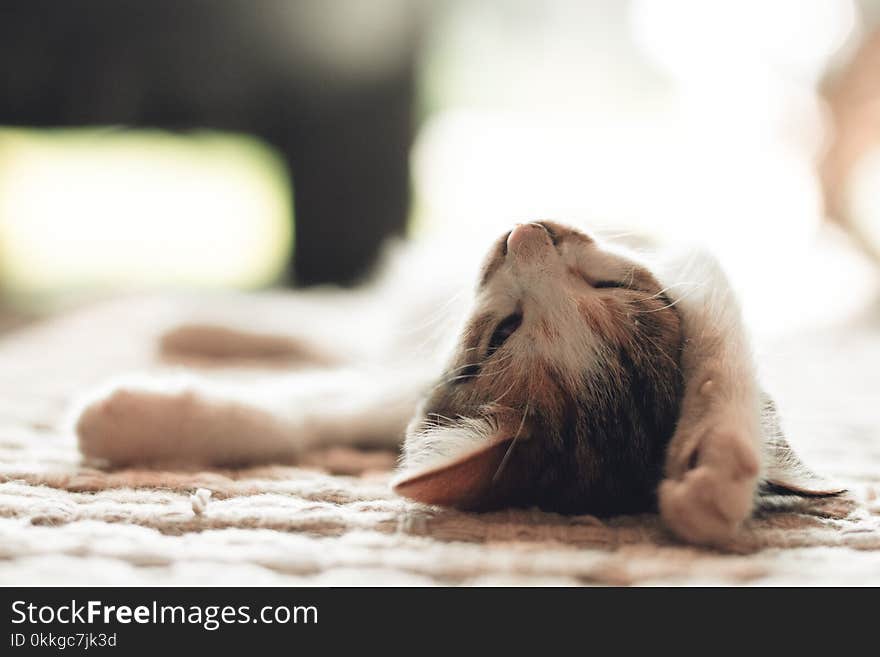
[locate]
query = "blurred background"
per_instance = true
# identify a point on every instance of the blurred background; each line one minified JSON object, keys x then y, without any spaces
{"x":247,"y":144}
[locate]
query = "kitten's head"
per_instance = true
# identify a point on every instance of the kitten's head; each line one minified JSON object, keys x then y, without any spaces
{"x":564,"y":388}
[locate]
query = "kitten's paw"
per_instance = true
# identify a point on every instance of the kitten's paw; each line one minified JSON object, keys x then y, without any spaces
{"x":134,"y":426}
{"x":709,"y":503}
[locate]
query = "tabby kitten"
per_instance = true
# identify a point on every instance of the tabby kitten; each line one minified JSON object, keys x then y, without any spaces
{"x":583,"y":380}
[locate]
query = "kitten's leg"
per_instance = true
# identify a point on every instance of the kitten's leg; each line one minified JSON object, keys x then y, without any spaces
{"x":199,"y":422}
{"x":305,"y":327}
{"x":714,"y":458}
{"x":206,"y":344}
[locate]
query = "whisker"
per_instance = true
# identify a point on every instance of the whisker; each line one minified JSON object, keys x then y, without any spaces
{"x":439,"y":314}
{"x":615,"y":236}
{"x":506,"y":456}
{"x":669,"y":305}
{"x":439,"y":416}
{"x":486,"y":372}
{"x":505,"y":393}
{"x":665,"y":290}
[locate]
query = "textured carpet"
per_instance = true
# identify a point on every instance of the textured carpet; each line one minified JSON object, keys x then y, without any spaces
{"x":332,"y":520}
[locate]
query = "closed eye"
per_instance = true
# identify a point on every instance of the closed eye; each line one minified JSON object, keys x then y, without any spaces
{"x":601,"y":284}
{"x":504,"y":330}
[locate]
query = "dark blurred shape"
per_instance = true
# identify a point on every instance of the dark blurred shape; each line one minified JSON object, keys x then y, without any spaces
{"x":329,"y":84}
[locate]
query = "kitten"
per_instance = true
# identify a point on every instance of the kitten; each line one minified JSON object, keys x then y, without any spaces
{"x":583,"y":380}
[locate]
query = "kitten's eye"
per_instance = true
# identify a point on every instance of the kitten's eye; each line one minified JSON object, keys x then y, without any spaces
{"x":600,"y":285}
{"x":504,"y":330}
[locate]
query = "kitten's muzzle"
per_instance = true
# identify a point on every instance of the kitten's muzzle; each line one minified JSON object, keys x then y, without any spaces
{"x":528,"y":238}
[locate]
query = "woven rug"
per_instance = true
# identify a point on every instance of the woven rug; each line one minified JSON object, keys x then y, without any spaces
{"x":331,"y":520}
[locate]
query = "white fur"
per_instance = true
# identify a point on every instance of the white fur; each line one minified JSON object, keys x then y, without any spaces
{"x":720,"y":424}
{"x":443,"y":445}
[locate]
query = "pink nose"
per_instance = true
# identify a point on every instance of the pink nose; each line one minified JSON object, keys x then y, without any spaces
{"x":525,"y":234}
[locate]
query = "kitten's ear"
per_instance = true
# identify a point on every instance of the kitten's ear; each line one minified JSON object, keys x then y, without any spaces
{"x":785,"y":473}
{"x":474,"y":481}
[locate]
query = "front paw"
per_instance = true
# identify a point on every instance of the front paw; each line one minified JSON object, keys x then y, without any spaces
{"x":709,"y":503}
